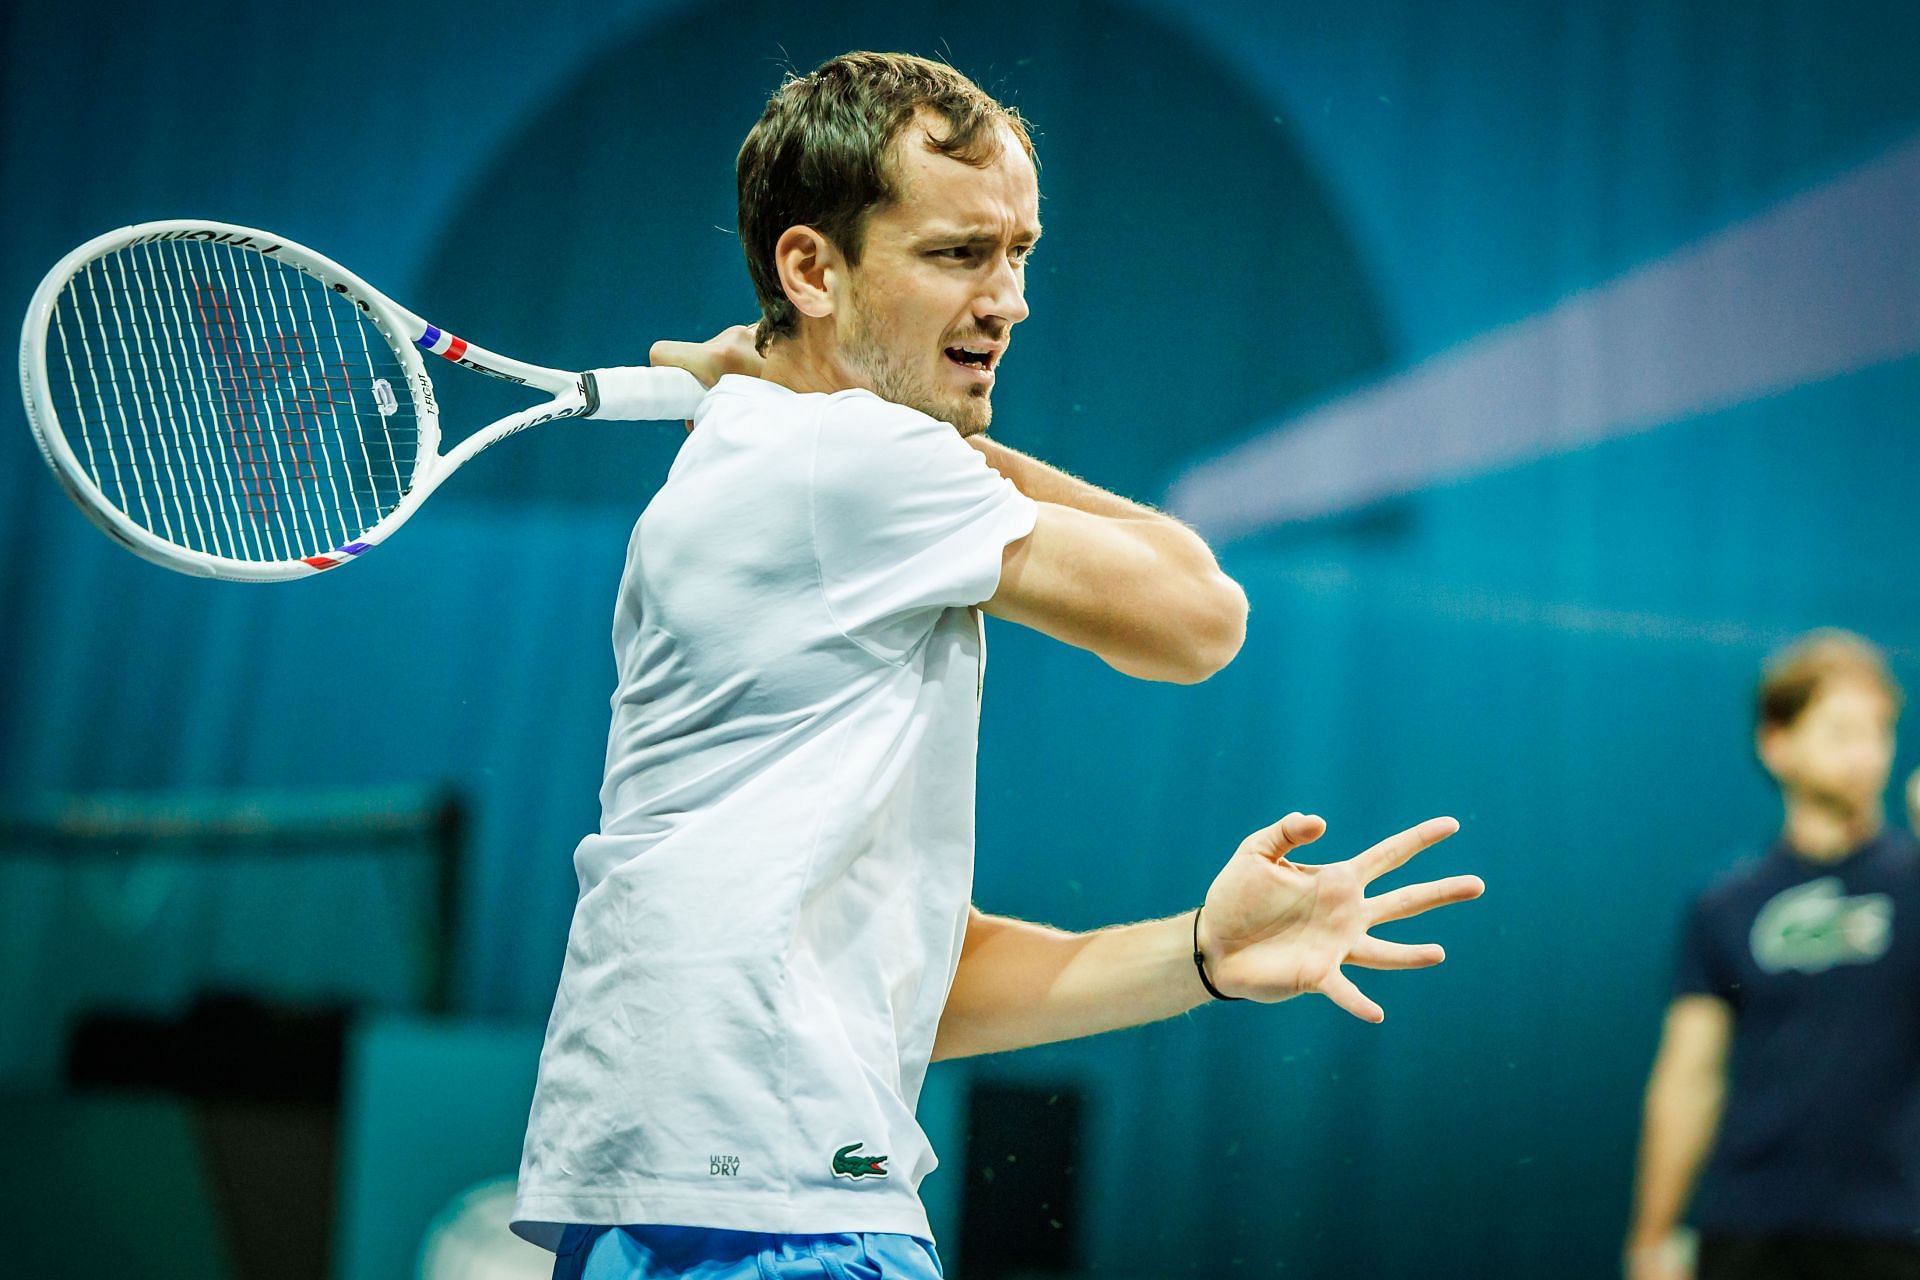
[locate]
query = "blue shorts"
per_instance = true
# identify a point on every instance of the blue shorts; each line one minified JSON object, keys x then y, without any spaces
{"x":701,"y":1253}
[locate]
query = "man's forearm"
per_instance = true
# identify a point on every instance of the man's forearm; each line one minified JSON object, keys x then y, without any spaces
{"x":1022,"y":984}
{"x":1181,"y":550}
{"x":1678,"y":1129}
{"x":1046,"y":483}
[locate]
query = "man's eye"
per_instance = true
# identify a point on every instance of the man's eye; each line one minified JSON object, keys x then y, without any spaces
{"x":967,"y":253}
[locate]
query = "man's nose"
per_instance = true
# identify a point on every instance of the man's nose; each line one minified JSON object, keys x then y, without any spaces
{"x":1005,"y":298}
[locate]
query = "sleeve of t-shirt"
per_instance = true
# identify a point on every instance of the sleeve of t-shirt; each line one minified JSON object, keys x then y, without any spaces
{"x":1702,"y":969}
{"x":908,"y":520}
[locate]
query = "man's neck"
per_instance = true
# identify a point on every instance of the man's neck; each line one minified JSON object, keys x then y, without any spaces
{"x":1822,"y":833}
{"x":805,"y":363}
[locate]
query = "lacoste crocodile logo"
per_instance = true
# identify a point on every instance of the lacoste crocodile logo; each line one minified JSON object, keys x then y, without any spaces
{"x":1815,"y":926}
{"x":848,"y":1165}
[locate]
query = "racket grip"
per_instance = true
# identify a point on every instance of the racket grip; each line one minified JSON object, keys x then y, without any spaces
{"x":634,"y":393}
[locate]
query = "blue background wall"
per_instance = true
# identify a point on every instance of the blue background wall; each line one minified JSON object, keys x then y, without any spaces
{"x":1252,"y":210}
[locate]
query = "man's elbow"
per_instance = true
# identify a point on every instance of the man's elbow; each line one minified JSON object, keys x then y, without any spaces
{"x":1213,"y":635}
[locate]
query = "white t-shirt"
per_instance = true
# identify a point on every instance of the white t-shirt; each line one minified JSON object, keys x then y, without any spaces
{"x":771,"y":914}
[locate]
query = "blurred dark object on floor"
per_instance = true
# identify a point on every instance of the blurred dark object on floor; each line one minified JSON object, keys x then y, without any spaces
{"x":1020,"y":1208}
{"x":261,"y":1084}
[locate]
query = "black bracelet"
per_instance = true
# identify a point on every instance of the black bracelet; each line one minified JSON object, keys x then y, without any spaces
{"x":1200,"y":962}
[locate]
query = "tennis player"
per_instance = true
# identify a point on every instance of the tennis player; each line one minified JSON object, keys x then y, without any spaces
{"x":1789,"y":1066}
{"x":773,"y":936}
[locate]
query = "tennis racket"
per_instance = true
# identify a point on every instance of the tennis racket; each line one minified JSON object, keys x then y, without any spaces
{"x":227,"y":403}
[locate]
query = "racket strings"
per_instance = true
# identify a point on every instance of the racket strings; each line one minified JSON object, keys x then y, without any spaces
{"x":229,"y":402}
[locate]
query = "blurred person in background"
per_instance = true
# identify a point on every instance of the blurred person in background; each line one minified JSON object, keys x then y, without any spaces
{"x":1788,"y":1074}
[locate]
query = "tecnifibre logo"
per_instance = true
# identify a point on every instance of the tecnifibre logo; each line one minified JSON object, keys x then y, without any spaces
{"x":208,"y":236}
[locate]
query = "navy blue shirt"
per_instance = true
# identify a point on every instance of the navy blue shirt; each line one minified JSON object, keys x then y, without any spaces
{"x":1821,"y":965}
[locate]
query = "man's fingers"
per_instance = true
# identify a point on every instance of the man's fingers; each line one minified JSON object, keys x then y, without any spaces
{"x":1339,"y":989}
{"x":1378,"y":953}
{"x":729,"y":351}
{"x":1395,"y":850}
{"x":1416,"y":898}
{"x":1297,"y":829}
{"x":668,"y":352}
{"x":694,"y":357}
{"x":1283,"y":837}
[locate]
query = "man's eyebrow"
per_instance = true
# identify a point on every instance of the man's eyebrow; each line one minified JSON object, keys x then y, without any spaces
{"x":978,"y":235}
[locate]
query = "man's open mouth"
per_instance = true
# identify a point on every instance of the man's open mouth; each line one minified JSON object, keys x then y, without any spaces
{"x":973,"y":357}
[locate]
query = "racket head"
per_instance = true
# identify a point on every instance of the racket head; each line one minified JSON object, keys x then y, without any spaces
{"x":225,"y":402}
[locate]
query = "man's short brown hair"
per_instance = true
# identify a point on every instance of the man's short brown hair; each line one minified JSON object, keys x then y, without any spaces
{"x":1795,"y":675}
{"x":821,"y":156}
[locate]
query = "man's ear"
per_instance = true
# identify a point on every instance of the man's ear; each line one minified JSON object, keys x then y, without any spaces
{"x":807,"y":262}
{"x":1770,"y":744}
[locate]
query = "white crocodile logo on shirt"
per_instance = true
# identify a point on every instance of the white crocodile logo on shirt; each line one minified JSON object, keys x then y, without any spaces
{"x":1813,"y":927}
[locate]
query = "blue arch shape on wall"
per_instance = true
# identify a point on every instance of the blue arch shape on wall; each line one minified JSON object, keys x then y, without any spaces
{"x":1195,"y":278}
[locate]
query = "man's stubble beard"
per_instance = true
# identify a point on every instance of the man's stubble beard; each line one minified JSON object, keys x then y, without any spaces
{"x":897,"y":380}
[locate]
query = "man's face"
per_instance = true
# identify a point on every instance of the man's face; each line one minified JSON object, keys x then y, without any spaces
{"x":1839,"y":753}
{"x":925,"y":317}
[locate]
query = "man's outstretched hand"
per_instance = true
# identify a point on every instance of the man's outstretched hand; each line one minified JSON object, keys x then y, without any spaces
{"x":1273,"y":928}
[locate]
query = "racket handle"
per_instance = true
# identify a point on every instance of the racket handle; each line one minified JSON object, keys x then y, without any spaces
{"x":638,"y":394}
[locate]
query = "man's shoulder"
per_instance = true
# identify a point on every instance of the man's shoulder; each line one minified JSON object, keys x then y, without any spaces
{"x":1898,"y":846}
{"x":867,"y":451}
{"x":861,"y":419}
{"x":768,"y":409}
{"x":749,"y":412}
{"x":1897,"y":857}
{"x":1750,"y":873}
